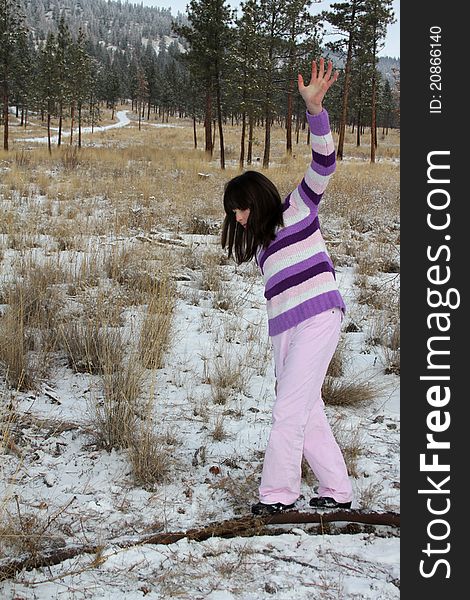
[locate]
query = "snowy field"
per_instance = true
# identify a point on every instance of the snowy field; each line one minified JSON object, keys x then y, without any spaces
{"x":61,"y":488}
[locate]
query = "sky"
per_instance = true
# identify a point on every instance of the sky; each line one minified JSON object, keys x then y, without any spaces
{"x":392,"y":41}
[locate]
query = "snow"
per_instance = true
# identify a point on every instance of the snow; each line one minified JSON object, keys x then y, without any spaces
{"x":122,"y":120}
{"x":88,"y":495}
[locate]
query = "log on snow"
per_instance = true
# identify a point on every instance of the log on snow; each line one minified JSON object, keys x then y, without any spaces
{"x":243,"y":526}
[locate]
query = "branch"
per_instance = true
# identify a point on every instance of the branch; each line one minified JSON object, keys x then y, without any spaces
{"x":243,"y":526}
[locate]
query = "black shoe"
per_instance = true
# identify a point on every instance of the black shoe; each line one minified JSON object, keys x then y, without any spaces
{"x":269,"y":509}
{"x":327,"y":502}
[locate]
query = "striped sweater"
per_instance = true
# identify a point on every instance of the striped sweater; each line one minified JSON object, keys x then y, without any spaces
{"x":298,"y":274}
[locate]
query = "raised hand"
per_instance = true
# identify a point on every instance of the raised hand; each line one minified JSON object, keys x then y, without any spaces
{"x":320,"y":82}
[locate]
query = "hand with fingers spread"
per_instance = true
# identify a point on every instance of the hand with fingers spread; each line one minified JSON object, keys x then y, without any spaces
{"x":320,"y":82}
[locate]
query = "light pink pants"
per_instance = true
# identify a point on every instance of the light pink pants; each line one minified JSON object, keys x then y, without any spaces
{"x":301,"y":357}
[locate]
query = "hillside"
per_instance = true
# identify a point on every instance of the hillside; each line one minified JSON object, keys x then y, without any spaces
{"x":120,"y":24}
{"x":112,"y":23}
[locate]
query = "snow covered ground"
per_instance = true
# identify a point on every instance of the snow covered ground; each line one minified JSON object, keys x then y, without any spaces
{"x":75,"y":493}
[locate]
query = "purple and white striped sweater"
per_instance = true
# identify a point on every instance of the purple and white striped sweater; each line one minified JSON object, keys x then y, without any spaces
{"x":298,"y":274}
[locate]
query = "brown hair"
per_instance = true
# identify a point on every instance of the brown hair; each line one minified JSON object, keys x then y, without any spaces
{"x":255,"y":191}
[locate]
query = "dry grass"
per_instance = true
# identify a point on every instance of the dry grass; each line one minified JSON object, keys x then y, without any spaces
{"x":227,"y":375}
{"x":240,"y":490}
{"x":150,"y":458}
{"x":391,"y":351}
{"x":90,"y":347}
{"x":155,"y":168}
{"x":352,"y":446}
{"x":383,"y":332}
{"x":337,"y":363}
{"x":29,"y":533}
{"x":15,"y":363}
{"x":380,"y":296}
{"x":378,"y":257}
{"x":365,"y":195}
{"x":116,"y":414}
{"x":27,"y":326}
{"x":218,"y":432}
{"x":211,"y":276}
{"x":155,"y":333}
{"x":370,"y":495}
{"x":8,"y":417}
{"x":349,"y":391}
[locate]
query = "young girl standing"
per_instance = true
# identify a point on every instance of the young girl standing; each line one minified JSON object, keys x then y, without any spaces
{"x":305,"y":310}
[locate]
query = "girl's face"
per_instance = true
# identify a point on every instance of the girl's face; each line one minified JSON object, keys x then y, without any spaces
{"x":241,"y":216}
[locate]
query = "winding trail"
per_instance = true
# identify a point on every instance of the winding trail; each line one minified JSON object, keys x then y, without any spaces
{"x":121,"y":115}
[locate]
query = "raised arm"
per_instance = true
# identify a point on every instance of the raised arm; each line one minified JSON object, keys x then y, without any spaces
{"x":323,"y":152}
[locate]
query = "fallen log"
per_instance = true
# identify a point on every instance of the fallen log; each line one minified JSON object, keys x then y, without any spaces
{"x":242,"y":526}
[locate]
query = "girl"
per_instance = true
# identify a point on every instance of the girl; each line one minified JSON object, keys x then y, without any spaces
{"x":305,"y":310}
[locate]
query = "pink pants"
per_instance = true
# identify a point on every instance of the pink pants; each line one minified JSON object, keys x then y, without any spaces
{"x":301,"y":356}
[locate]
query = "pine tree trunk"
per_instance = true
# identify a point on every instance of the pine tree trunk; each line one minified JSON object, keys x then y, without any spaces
{"x":59,"y":137}
{"x":219,"y":120}
{"x":297,"y":122}
{"x":5,"y":116}
{"x":242,"y":141}
{"x":194,"y":132}
{"x":373,"y":124}
{"x":267,"y":133}
{"x":289,"y":118}
{"x":49,"y":132}
{"x":80,"y":125}
{"x":72,"y":116}
{"x":249,"y":156}
{"x":208,"y":122}
{"x":359,"y":125}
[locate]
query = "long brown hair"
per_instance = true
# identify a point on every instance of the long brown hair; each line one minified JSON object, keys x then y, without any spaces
{"x":255,"y":191}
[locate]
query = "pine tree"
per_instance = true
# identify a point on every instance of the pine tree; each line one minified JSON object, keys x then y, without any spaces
{"x":64,"y":71}
{"x":12,"y":37}
{"x":243,"y":68}
{"x":378,"y":15}
{"x":271,"y":18}
{"x":150,"y":75}
{"x":345,"y":18}
{"x":142,"y":93}
{"x":302,"y":39}
{"x":360,"y":92}
{"x":387,"y":106}
{"x":47,"y":82}
{"x":111,"y":85}
{"x":396,"y":93}
{"x":81,"y":64}
{"x":209,"y":38}
{"x":22,"y":76}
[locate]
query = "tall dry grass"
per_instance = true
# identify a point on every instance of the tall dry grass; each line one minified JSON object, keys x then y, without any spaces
{"x":116,"y":414}
{"x":28,"y":323}
{"x":155,"y":333}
